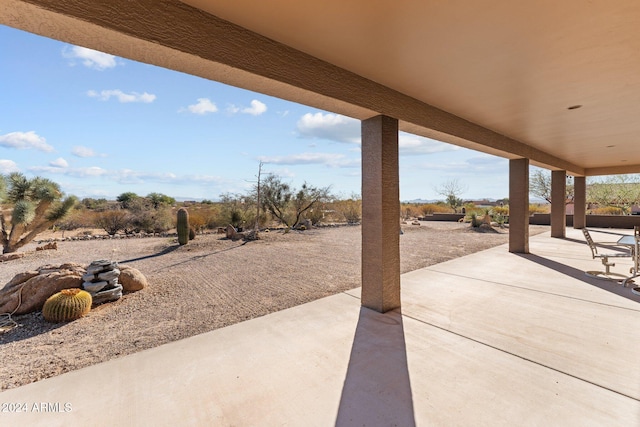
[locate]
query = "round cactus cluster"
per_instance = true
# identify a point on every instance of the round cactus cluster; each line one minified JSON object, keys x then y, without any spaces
{"x":67,"y":305}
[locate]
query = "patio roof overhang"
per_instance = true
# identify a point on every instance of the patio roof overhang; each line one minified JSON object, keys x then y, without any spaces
{"x":502,"y":78}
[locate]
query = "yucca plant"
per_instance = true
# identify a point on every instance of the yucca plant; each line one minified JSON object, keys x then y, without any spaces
{"x":27,"y":208}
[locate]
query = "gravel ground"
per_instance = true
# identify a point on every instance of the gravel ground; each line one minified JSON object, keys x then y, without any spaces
{"x":208,"y":284}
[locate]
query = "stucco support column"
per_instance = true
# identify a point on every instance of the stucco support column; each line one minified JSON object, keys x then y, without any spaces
{"x":519,"y":206}
{"x":380,"y":214}
{"x":579,"y":202}
{"x":558,"y":203}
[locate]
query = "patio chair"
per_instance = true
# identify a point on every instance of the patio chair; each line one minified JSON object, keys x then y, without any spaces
{"x":607,"y":274}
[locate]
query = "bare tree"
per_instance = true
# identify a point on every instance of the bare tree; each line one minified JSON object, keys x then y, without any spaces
{"x":452,"y":190}
{"x":288,"y":204}
{"x":257,"y":226}
{"x":540,"y":186}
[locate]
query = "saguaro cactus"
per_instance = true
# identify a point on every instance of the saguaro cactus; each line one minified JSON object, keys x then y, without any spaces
{"x":183,"y":226}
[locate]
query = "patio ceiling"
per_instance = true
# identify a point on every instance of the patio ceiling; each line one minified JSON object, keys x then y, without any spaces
{"x":497,"y":76}
{"x":513,"y":67}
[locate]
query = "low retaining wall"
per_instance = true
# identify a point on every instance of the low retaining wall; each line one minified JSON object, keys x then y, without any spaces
{"x":454,"y":217}
{"x":599,"y":221}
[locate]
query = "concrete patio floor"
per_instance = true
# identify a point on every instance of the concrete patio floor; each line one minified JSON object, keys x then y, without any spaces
{"x":489,"y":339}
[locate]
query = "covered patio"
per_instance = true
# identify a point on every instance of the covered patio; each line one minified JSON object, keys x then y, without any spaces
{"x":488,"y":339}
{"x":513,"y":334}
{"x":553,"y":84}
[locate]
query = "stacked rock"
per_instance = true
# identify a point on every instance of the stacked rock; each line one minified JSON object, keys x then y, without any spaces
{"x":101,"y":281}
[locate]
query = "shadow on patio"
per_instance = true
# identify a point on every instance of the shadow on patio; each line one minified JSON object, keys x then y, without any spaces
{"x":377,"y":388}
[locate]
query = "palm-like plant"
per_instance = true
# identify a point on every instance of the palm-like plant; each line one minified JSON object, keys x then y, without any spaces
{"x":28,"y":207}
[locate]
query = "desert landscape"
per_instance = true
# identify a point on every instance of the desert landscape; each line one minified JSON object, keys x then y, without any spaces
{"x":210,"y":283}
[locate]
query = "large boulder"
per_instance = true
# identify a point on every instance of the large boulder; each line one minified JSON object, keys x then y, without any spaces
{"x":231,"y":232}
{"x":131,"y":279}
{"x":20,"y":278}
{"x":27,"y":292}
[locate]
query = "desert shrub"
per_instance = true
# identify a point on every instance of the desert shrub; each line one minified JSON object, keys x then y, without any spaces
{"x":237,"y":209}
{"x":349,"y":210}
{"x":500,"y":210}
{"x":431,"y":208}
{"x":125,"y":199}
{"x":501,"y":219}
{"x":207,"y":216}
{"x":147,"y":216}
{"x":113,"y":221}
{"x":159,"y":199}
{"x":235,"y":218}
{"x":410,"y":210}
{"x":155,"y":221}
{"x":314,"y":215}
{"x":539,"y":208}
{"x":607,"y":210}
{"x":97,"y":204}
{"x":197,"y":220}
{"x":470,"y":208}
{"x":77,"y":218}
{"x":474,"y":219}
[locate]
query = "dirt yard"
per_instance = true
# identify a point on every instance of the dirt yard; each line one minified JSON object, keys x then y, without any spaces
{"x":208,"y":284}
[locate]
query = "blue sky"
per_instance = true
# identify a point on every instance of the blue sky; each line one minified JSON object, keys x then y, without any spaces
{"x":101,"y":125}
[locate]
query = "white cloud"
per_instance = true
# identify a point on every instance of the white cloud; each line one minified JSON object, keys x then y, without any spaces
{"x":24,"y":141}
{"x":203,"y":107}
{"x":329,"y":126}
{"x":59,"y":163}
{"x":8,"y":166}
{"x":488,"y":163}
{"x":328,"y":159}
{"x":412,"y":145}
{"x":127,"y":176}
{"x":256,"y":108}
{"x":474,"y":166}
{"x":80,"y":151}
{"x":105,"y":95}
{"x":90,"y":58}
{"x":284,"y":173}
{"x":91,"y":171}
{"x":339,"y":128}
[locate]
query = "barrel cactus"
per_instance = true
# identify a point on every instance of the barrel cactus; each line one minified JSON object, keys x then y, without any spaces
{"x":183,"y":226}
{"x":67,"y":305}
